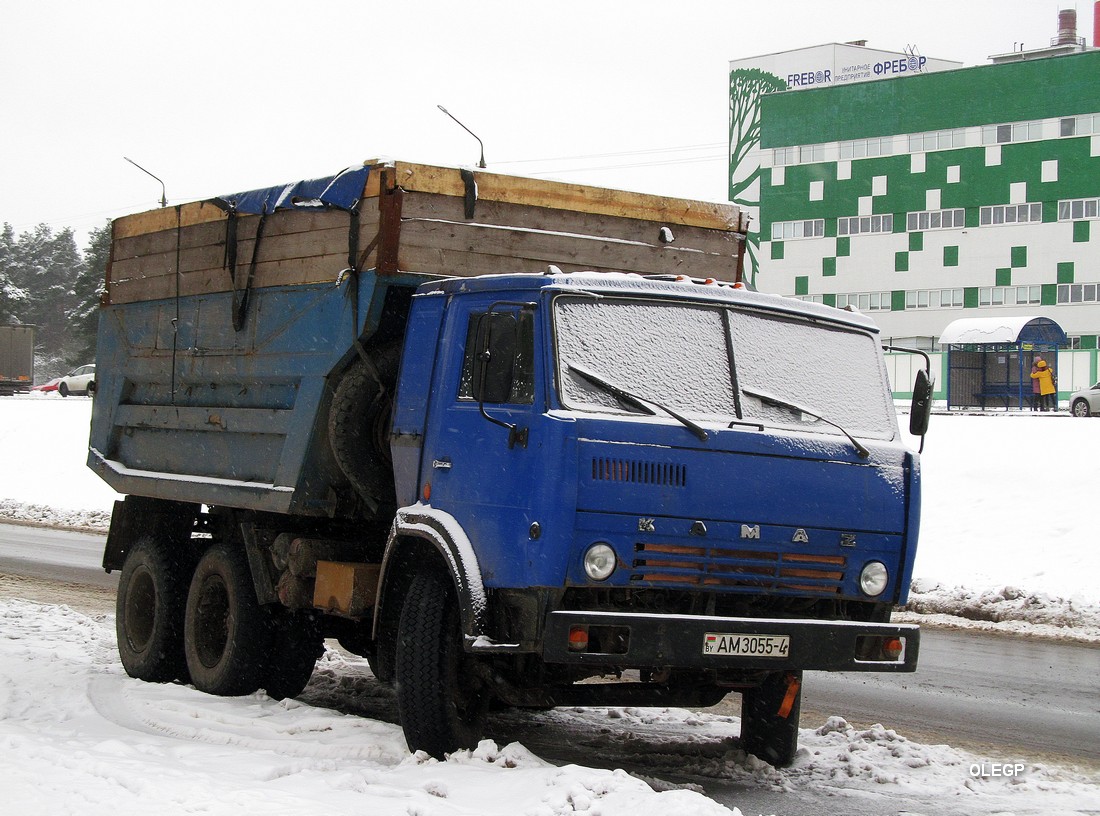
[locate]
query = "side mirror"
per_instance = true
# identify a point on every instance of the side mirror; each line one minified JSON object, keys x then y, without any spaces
{"x":494,"y":363}
{"x":921,"y":409}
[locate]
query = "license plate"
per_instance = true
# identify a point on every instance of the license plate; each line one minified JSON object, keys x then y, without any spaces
{"x":735,"y":645}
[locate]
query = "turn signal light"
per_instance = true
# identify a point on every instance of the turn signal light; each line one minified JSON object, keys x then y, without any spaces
{"x":892,"y":648}
{"x":879,"y":648}
{"x":578,"y":639}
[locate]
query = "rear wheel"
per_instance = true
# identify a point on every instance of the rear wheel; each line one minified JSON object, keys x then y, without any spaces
{"x":225,"y":631}
{"x":149,"y":607}
{"x":441,"y":703}
{"x":769,"y":718}
{"x":1080,"y":408}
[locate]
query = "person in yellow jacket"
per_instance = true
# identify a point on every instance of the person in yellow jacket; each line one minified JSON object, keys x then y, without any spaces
{"x":1045,"y":377}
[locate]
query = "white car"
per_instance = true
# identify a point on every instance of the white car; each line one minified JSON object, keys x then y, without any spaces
{"x":80,"y":380}
{"x":1085,"y":402}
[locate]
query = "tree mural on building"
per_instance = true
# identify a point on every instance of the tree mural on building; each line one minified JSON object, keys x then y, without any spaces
{"x":747,"y":85}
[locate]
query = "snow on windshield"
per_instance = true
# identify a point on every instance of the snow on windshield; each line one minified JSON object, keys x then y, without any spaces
{"x":672,"y":354}
{"x":829,"y":370}
{"x":677,"y":354}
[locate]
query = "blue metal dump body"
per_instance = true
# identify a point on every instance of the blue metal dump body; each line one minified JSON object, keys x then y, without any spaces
{"x":191,"y":410}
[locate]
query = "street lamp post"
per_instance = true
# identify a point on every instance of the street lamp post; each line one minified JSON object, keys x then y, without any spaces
{"x":481,"y":163}
{"x":163,"y":194}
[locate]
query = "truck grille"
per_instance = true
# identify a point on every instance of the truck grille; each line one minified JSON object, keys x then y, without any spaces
{"x":753,"y":570}
{"x":637,"y":471}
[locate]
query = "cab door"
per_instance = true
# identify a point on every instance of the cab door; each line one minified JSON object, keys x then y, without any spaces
{"x":482,"y":446}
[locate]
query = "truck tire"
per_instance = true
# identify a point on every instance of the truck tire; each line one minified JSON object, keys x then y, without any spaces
{"x":226,"y":635}
{"x":441,"y":704}
{"x":149,"y":607}
{"x":296,"y":643}
{"x":769,"y":718}
{"x":359,"y":425}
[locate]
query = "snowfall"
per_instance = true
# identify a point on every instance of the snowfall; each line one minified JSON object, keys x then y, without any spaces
{"x":1006,"y":545}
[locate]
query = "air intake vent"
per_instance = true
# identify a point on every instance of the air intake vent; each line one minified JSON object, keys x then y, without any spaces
{"x":745,"y":570}
{"x":664,"y":474}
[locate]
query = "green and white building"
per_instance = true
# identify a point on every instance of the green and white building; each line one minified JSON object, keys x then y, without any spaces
{"x":938,"y":194}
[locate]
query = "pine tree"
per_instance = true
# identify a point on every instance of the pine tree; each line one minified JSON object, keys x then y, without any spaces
{"x":12,"y":296}
{"x":84,"y":316}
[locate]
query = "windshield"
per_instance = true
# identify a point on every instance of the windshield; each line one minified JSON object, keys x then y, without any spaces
{"x":718,"y":363}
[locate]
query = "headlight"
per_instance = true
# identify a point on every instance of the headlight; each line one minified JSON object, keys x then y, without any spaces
{"x":873,"y":578}
{"x":599,"y":562}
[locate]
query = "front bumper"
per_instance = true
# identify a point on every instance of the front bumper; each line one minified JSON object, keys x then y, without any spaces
{"x":654,"y":640}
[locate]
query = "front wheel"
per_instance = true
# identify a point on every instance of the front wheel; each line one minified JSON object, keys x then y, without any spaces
{"x":225,"y":631}
{"x":441,"y":703}
{"x":1080,"y":408}
{"x":63,"y":389}
{"x":769,"y":718}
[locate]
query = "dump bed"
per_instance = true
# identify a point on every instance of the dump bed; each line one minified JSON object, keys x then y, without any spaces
{"x":226,"y":323}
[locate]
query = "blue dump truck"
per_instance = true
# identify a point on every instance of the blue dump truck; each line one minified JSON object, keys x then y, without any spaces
{"x":514,"y":441}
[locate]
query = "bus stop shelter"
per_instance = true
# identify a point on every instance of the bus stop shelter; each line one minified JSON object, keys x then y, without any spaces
{"x":989,"y":359}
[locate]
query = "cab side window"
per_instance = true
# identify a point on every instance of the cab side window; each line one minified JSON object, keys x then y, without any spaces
{"x":499,"y":364}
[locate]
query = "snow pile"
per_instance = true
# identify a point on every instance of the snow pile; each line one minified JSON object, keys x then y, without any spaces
{"x":1007,"y":610}
{"x":93,"y":521}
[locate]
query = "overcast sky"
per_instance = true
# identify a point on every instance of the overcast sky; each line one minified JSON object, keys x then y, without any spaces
{"x":217,"y":96}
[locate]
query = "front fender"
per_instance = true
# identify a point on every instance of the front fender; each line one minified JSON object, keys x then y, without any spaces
{"x":423,"y":524}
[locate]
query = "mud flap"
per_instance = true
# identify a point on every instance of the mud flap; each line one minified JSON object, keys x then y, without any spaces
{"x":769,"y":718}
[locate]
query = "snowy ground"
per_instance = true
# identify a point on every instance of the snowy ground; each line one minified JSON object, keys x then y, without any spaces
{"x":1004,"y":545}
{"x":78,"y":736}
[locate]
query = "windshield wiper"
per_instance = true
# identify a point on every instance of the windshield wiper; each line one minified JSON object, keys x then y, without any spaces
{"x":641,"y":403}
{"x":768,"y":399}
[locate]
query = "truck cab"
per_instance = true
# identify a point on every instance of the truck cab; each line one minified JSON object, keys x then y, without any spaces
{"x":689,"y":486}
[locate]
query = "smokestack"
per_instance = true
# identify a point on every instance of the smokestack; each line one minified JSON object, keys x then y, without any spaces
{"x":1067,"y":27}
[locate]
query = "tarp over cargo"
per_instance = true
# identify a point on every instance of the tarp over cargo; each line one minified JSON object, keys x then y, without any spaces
{"x":342,"y":191}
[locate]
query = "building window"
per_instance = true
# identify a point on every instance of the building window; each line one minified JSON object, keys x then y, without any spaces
{"x":1077,"y":292}
{"x":1028,"y":295}
{"x":1078,"y":208}
{"x":1010,"y":295}
{"x":937,"y":140}
{"x":934,"y":299}
{"x":864,"y":224}
{"x":1011,"y":214}
{"x":935,"y":219}
{"x":867,"y":148}
{"x":865,"y":301}
{"x":1079,"y":125}
{"x":811,"y":298}
{"x":1016,"y":132}
{"x":1073,"y":341}
{"x":995,"y":295}
{"x":787,"y":230}
{"x":784,"y":155}
{"x":808,"y":154}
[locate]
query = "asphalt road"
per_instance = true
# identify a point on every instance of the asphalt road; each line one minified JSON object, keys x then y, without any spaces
{"x":1009,"y":699}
